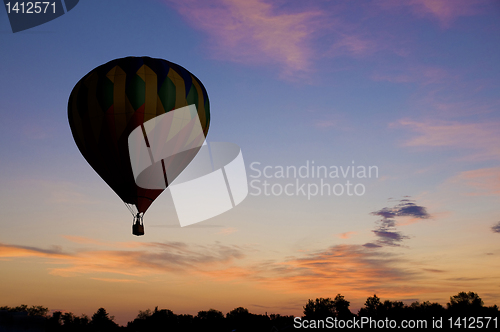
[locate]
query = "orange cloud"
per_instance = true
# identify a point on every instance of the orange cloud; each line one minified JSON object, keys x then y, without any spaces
{"x":83,"y":240}
{"x":12,"y":251}
{"x":347,"y":269}
{"x":342,"y":266}
{"x":352,"y":270}
{"x":227,"y":231}
{"x":253,"y":31}
{"x":482,"y":138}
{"x":151,"y":258}
{"x":119,"y":280}
{"x":86,"y":240}
{"x":346,"y":235}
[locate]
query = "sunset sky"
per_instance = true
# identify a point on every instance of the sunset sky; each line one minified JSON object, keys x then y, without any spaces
{"x":411,"y":87}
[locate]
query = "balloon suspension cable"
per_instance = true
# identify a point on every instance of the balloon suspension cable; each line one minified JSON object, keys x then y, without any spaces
{"x":130,"y":208}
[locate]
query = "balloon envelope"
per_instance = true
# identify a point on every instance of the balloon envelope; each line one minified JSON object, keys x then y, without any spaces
{"x":112,"y":100}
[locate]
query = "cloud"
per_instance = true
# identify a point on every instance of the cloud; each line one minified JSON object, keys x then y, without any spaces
{"x":483,"y":181}
{"x":445,"y":11}
{"x":386,"y":230}
{"x":353,"y":45}
{"x":253,"y":31}
{"x":346,"y":235}
{"x":11,"y":251}
{"x":227,"y":231}
{"x":388,"y":237}
{"x":405,"y":208}
{"x":481,"y":138}
{"x":83,"y":240}
{"x":352,"y":269}
{"x":422,"y":74}
{"x":434,"y":270}
{"x":496,"y":228}
{"x":371,"y":245}
{"x":119,"y":280}
{"x":145,"y":259}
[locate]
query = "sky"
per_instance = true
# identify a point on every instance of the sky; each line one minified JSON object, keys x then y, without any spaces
{"x":410,"y":89}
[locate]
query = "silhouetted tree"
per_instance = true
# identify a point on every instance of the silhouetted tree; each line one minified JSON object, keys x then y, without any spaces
{"x":319,"y":308}
{"x":211,"y":315}
{"x":35,"y":310}
{"x":341,"y":306}
{"x":35,"y":319}
{"x":210,"y":319}
{"x":144,"y":314}
{"x":372,"y":305}
{"x":54,"y":322}
{"x":102,"y":322}
{"x":22,"y":318}
{"x":393,"y":309}
{"x":73,"y":323}
{"x":238,"y":313}
{"x":68,"y":318}
{"x":426,"y":309}
{"x":466,"y":300}
{"x":240,"y":319}
{"x":38,"y":310}
{"x":279,"y":322}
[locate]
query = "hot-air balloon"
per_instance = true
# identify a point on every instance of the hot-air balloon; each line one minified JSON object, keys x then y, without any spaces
{"x":120,"y":99}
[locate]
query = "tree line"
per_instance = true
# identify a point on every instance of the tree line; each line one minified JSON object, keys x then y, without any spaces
{"x":37,"y":318}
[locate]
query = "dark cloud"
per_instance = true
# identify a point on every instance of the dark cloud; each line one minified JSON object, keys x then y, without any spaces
{"x":412,"y":210}
{"x":464,"y":279}
{"x":386,"y":230}
{"x":385,"y":213}
{"x":496,"y":228}
{"x":405,"y":208}
{"x":56,"y":250}
{"x":434,"y":270}
{"x":371,"y":245}
{"x":389,"y":238}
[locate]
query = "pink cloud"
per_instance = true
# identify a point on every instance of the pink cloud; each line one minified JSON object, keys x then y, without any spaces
{"x":253,"y":31}
{"x":423,"y":75}
{"x":445,"y":11}
{"x":484,"y":181}
{"x":354,"y":45}
{"x":480,"y":138}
